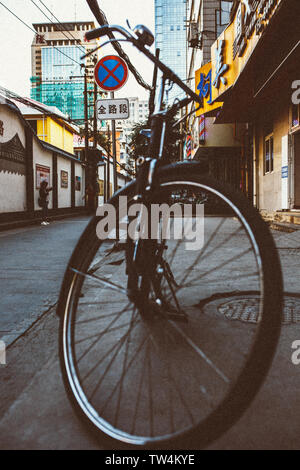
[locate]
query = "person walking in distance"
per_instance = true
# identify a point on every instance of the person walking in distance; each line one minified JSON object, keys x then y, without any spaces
{"x":44,"y":201}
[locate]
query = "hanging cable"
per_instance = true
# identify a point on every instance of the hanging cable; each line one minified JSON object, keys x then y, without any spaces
{"x":31,"y":29}
{"x":81,"y":48}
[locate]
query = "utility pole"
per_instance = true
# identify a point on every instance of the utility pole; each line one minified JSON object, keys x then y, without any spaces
{"x":86,"y":129}
{"x":95,"y":116}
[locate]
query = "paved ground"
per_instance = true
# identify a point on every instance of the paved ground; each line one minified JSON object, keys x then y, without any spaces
{"x":33,"y":261}
{"x":34,"y":410}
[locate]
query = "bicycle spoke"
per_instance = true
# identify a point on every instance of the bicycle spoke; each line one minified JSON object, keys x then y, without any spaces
{"x":102,"y":280}
{"x":183,"y":401}
{"x":137,"y":403}
{"x":202,"y":254}
{"x":101,"y":334}
{"x":134,"y":358}
{"x":106,"y":369}
{"x":225,"y":263}
{"x":150,"y":390}
{"x":170,"y":397}
{"x":192,"y":283}
{"x":198,"y":351}
{"x":100,"y":317}
{"x":109,"y":330}
{"x":123,"y":372}
{"x":105,"y":356}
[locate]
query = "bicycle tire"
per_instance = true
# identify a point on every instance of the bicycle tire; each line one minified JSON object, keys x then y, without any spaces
{"x":254,"y":371}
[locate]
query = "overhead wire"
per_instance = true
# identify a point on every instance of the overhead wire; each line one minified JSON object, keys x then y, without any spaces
{"x":31,"y":29}
{"x":81,"y":48}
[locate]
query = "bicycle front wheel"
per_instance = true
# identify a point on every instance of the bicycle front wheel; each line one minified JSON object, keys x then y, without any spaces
{"x":184,"y":373}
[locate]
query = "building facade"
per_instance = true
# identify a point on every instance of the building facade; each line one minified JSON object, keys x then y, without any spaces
{"x":57,"y":70}
{"x":217,"y":146}
{"x":170,"y":37}
{"x":25,"y":161}
{"x":255,"y":70}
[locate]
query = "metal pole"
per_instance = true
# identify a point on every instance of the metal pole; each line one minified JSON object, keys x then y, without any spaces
{"x":104,"y":183}
{"x":86,"y":132}
{"x":95,"y":116}
{"x":114,"y":148}
{"x":108,"y":167}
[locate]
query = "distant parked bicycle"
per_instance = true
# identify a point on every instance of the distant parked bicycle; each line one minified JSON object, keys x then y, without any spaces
{"x":164,"y":343}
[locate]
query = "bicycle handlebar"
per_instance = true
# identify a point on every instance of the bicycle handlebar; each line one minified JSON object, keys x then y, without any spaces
{"x":97,"y":33}
{"x":106,"y":29}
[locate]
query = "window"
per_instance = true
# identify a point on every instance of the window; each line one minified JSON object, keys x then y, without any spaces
{"x":223,"y":16}
{"x":269,"y":153}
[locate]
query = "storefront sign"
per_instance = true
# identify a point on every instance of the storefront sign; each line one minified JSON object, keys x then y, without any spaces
{"x":63,"y":179}
{"x":42,"y":174}
{"x":232,"y":50}
{"x":251,"y":15}
{"x":203,"y":87}
{"x":220,"y":66}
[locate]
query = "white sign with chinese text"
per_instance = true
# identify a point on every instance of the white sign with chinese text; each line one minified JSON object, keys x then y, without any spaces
{"x":112,"y":109}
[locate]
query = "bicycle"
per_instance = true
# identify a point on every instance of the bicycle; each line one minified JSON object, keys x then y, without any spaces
{"x":172,"y":352}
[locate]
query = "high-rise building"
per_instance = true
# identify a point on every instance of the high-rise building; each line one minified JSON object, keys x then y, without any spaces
{"x":57,"y":70}
{"x":170,"y":37}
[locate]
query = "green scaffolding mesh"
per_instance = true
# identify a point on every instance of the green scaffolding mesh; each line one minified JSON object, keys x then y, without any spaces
{"x":67,"y":96}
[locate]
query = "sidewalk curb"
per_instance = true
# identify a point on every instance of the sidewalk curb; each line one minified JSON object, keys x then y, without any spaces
{"x":11,"y":339}
{"x":36,"y":221}
{"x":283,"y":227}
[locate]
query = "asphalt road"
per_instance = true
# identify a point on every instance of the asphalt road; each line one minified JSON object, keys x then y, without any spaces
{"x":33,"y":261}
{"x":34,"y":410}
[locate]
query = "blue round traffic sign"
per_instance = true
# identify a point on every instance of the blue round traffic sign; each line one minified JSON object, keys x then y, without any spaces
{"x":111,"y":73}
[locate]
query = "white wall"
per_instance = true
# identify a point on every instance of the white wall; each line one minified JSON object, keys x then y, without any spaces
{"x":12,"y":125}
{"x":64,"y":194}
{"x":12,"y":192}
{"x":12,"y":185}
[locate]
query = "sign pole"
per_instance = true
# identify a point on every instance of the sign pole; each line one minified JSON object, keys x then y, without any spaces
{"x":86,"y":132}
{"x":108,"y":168}
{"x":114,"y":146}
{"x":111,"y":74}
